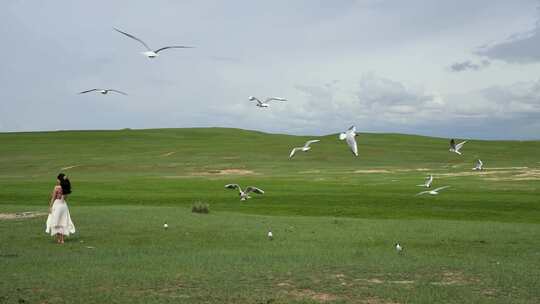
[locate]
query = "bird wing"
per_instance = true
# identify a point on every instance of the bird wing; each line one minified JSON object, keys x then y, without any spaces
{"x":458,"y":146}
{"x":309,"y":142}
{"x":254,"y":189}
{"x":173,"y":47}
{"x":233,"y":186}
{"x":274,"y":98}
{"x":120,"y":92}
{"x":293,"y":151}
{"x":351,"y":141}
{"x":440,"y":188}
{"x":88,"y":91}
{"x":452,"y":144}
{"x":352,"y":129}
{"x":253,"y":98}
{"x":133,"y":37}
{"x":480,"y":162}
{"x":423,"y":192}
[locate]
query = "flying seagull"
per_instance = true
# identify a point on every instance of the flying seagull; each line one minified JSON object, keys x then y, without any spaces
{"x":428,"y":182}
{"x":434,"y":191}
{"x":153,"y":53}
{"x":479,"y":165}
{"x":244,"y":194}
{"x":305,"y":148}
{"x":349,"y":136}
{"x":103,"y":91}
{"x":454,"y":147}
{"x":264,"y":104}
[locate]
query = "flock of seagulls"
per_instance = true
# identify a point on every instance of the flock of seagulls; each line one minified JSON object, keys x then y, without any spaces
{"x":348,"y":136}
{"x":429,"y":180}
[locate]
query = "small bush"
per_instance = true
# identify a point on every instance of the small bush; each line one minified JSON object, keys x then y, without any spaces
{"x":200,"y":207}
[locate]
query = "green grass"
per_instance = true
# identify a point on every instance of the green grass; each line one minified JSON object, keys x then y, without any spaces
{"x":335,"y":219}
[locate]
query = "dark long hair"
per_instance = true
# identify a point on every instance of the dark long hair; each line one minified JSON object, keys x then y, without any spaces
{"x":64,"y":183}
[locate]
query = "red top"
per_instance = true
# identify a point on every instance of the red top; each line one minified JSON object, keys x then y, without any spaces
{"x":57,"y":193}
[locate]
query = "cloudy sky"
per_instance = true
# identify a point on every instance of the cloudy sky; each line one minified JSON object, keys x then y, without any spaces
{"x":445,"y":68}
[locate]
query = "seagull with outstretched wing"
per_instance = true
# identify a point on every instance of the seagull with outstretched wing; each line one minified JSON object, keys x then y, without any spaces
{"x":150,"y":53}
{"x":350,"y":137}
{"x":433,"y":192}
{"x":428,"y":182}
{"x":244,"y":194}
{"x":103,"y":91}
{"x":264,"y":104}
{"x":456,"y":147}
{"x":305,"y":148}
{"x":479,"y":165}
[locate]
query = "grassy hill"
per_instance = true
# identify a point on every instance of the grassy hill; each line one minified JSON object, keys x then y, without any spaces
{"x":176,"y":167}
{"x":335,"y":218}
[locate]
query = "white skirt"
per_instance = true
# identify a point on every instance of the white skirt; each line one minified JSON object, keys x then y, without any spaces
{"x":59,"y":220}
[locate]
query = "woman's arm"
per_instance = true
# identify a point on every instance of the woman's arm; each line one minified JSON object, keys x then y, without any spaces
{"x":53,"y":195}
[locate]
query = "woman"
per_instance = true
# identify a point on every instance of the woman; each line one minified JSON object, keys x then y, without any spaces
{"x":59,"y":222}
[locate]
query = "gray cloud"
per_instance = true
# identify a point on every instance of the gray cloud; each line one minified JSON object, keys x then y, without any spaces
{"x":469,"y":65}
{"x":519,"y":48}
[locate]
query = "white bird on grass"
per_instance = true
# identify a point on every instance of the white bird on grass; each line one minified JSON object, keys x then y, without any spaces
{"x":479,"y":165}
{"x":398,"y":247}
{"x":153,"y":53}
{"x":455,"y":148}
{"x":270,"y":235}
{"x":434,"y":191}
{"x":428,"y":182}
{"x":264,"y":104}
{"x":103,"y":91}
{"x":165,"y":226}
{"x":244,"y":194}
{"x":305,"y":148}
{"x":350,"y":137}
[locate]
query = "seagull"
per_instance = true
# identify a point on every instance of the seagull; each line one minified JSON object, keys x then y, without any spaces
{"x":305,"y":148}
{"x":165,"y":226}
{"x":244,"y":195}
{"x":399,"y":248}
{"x":479,"y":165}
{"x":270,"y":235}
{"x":434,"y":191}
{"x":153,"y":53}
{"x":349,"y":136}
{"x":428,"y":182}
{"x":264,"y":104}
{"x":454,"y":147}
{"x":103,"y":91}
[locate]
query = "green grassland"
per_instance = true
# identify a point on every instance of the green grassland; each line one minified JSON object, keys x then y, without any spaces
{"x":335,"y":219}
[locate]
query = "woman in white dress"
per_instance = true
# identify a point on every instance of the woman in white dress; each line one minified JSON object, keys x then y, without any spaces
{"x":59,"y":221}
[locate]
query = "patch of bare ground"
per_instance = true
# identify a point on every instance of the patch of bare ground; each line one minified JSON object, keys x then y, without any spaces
{"x":310,"y":172}
{"x":313,"y":295}
{"x":21,"y":215}
{"x":225,"y":172}
{"x":522,"y":175}
{"x":454,"y":278}
{"x":168,"y":154}
{"x":70,"y":167}
{"x":376,"y":300}
{"x":373,"y":171}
